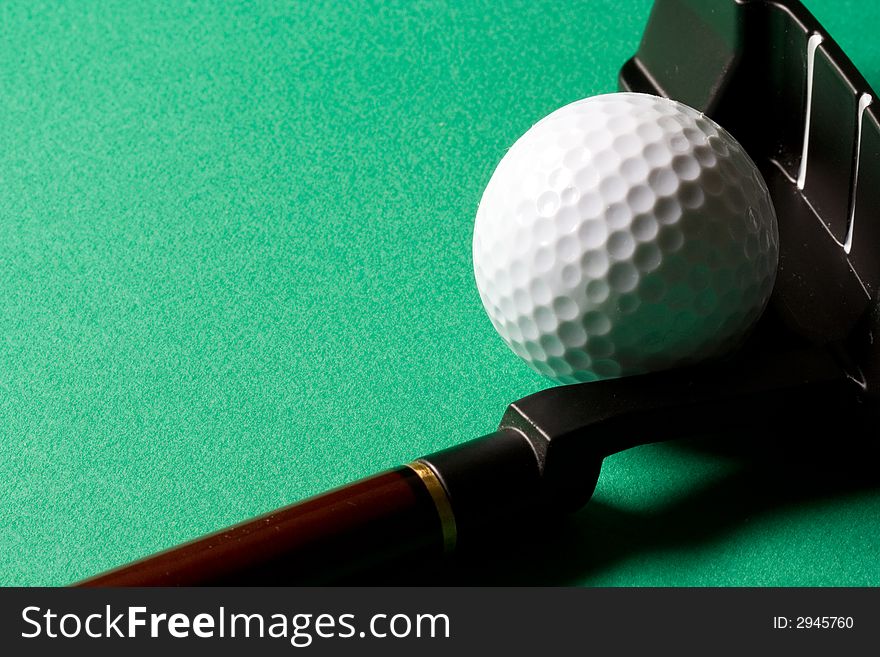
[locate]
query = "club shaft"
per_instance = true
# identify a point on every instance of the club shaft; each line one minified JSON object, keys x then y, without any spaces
{"x":379,"y":518}
{"x":414,"y":513}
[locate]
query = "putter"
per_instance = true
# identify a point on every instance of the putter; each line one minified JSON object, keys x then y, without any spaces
{"x":770,"y":74}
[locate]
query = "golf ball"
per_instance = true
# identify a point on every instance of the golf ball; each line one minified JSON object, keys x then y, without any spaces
{"x":622,"y":234}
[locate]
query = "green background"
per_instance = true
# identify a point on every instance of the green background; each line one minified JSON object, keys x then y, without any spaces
{"x":235,"y":271}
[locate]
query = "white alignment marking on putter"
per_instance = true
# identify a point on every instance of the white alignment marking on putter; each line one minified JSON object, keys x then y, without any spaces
{"x":814,"y":42}
{"x":864,"y":101}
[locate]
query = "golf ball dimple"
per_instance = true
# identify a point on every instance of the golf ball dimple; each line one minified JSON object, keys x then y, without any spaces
{"x":622,"y":234}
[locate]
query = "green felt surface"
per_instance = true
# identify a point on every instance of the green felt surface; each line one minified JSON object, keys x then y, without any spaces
{"x":235,"y":271}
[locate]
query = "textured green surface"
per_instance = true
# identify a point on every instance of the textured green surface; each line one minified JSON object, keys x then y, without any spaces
{"x":235,"y":271}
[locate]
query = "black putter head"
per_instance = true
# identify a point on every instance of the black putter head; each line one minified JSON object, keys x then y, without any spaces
{"x":768,"y":73}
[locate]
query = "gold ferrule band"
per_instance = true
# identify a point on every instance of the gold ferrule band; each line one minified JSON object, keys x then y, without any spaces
{"x":441,"y":502}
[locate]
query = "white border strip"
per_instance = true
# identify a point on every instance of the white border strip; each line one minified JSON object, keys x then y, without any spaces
{"x":814,"y":42}
{"x":864,"y":101}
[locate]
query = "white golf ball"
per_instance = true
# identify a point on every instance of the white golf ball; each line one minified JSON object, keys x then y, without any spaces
{"x":621,"y":234}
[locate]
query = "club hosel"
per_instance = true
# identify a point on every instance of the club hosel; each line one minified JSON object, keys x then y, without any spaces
{"x":502,"y":478}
